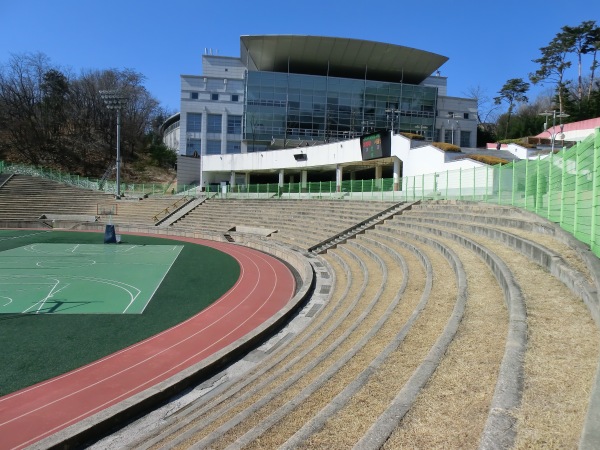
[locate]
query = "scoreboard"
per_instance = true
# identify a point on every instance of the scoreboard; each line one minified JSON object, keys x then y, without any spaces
{"x":375,"y":145}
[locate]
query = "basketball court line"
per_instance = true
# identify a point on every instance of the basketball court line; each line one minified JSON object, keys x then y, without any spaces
{"x":264,"y":287}
{"x":22,"y":235}
{"x":55,"y":259}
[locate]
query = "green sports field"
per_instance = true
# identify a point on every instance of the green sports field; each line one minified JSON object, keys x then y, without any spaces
{"x":47,"y":278}
{"x":67,"y":299}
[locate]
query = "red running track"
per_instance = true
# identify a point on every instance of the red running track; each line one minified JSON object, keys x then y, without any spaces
{"x":265,"y":285}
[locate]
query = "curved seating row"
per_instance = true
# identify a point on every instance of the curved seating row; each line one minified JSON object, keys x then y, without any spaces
{"x":452,"y":324}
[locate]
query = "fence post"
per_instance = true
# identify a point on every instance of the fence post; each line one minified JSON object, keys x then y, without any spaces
{"x":538,"y":187}
{"x":562,"y":189}
{"x":526,"y":181}
{"x":595,"y":181}
{"x":499,"y":183}
{"x":576,"y":212}
{"x":474,"y":174}
{"x":487,"y":179}
{"x":447,"y":176}
{"x":549,"y":192}
{"x":514,"y":188}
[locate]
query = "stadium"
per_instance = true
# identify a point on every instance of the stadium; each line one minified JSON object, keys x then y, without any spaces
{"x":423,"y":301}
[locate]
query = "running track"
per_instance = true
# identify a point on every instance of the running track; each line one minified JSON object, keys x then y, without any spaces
{"x":265,"y":285}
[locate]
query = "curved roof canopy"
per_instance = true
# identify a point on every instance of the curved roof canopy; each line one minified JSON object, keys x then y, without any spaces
{"x":338,"y":57}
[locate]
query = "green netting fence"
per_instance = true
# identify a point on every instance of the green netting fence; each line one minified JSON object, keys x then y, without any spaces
{"x":562,"y":187}
{"x":86,"y":183}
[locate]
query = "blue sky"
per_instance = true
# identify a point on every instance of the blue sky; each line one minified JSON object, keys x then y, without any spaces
{"x":487,"y":42}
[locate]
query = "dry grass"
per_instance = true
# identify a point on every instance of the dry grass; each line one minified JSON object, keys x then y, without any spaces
{"x":452,"y":409}
{"x":306,"y":411}
{"x":347,"y":427}
{"x":560,"y":364}
{"x":567,"y":253}
{"x":308,"y":378}
{"x":560,"y":361}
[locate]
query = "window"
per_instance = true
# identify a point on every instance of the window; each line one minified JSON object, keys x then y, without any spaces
{"x":465,"y":138}
{"x":234,"y":147}
{"x":194,"y":95}
{"x":466,"y":115}
{"x":449,"y":136}
{"x":194,"y":122}
{"x":214,"y":96}
{"x":213,"y":123}
{"x":235,"y":98}
{"x":234,"y":124}
{"x":193,"y":147}
{"x":213,"y":147}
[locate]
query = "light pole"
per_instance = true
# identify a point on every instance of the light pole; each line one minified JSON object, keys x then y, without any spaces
{"x":116,"y":100}
{"x":554,"y":115}
{"x":452,"y":116}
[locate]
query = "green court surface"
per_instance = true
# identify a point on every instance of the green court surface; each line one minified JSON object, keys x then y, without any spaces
{"x":82,"y":278}
{"x":66,"y":273}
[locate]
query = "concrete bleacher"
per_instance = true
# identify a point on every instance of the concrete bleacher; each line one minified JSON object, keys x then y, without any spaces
{"x":451,"y":325}
{"x":448,"y":325}
{"x":24,"y":199}
{"x":137,"y":210}
{"x":32,"y":201}
{"x":299,"y":222}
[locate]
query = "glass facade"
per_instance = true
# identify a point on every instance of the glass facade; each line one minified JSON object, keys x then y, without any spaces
{"x":294,"y":107}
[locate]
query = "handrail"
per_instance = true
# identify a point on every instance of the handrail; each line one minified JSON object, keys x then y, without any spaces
{"x":168,"y":208}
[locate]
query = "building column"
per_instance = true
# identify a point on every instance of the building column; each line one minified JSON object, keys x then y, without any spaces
{"x":200,"y":174}
{"x":281,"y":178}
{"x":338,"y":178}
{"x":378,"y":172}
{"x":203,"y":126}
{"x":224,"y":133}
{"x":396,"y":174}
{"x":247,"y":179}
{"x":232,"y":179}
{"x":304,"y":180}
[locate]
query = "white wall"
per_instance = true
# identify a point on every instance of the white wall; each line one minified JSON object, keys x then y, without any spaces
{"x":416,"y":161}
{"x":458,"y":106}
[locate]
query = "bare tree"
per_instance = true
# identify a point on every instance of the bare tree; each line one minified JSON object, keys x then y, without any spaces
{"x":483,"y":100}
{"x":53,"y":118}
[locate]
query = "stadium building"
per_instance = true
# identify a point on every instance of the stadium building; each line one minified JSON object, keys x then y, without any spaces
{"x":293,"y":108}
